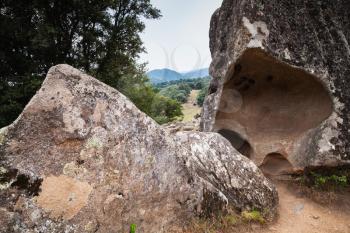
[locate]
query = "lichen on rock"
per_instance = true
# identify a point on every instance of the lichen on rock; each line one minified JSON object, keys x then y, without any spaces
{"x":4,"y":183}
{"x":3,"y":132}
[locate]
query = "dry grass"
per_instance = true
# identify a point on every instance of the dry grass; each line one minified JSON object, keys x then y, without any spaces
{"x":191,"y":109}
{"x":231,"y":223}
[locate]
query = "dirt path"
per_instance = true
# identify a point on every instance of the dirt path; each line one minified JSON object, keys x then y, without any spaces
{"x":190,"y":109}
{"x":302,"y":215}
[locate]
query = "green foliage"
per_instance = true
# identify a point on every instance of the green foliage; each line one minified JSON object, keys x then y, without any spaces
{"x":174,"y":92}
{"x":253,"y":216}
{"x":184,"y":87}
{"x":333,"y":180}
{"x":164,"y":110}
{"x":194,"y":84}
{"x":340,"y":180}
{"x":326,"y":179}
{"x":143,"y":95}
{"x":180,"y":89}
{"x":132,"y":228}
{"x":14,"y":95}
{"x":100,"y":37}
{"x":201,"y":95}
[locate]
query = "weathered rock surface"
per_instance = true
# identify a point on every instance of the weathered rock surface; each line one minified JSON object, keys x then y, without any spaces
{"x":280,"y":88}
{"x":213,"y":159}
{"x":174,"y":127}
{"x":82,"y":158}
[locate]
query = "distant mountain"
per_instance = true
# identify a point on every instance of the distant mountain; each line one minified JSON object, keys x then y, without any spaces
{"x":201,"y":73}
{"x":166,"y":75}
{"x":163,"y":75}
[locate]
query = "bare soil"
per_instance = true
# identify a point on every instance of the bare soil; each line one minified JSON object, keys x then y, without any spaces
{"x":324,"y":213}
{"x":301,"y":210}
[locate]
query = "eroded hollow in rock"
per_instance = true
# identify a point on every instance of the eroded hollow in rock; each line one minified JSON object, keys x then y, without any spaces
{"x":275,"y":164}
{"x":237,"y":141}
{"x":271,"y":104}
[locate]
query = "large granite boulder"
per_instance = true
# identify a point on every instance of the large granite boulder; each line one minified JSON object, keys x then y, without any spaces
{"x":82,"y":158}
{"x":280,"y":91}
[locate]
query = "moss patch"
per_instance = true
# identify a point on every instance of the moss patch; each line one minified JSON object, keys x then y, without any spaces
{"x":253,"y":216}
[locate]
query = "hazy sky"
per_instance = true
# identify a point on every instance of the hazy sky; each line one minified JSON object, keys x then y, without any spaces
{"x":180,"y":39}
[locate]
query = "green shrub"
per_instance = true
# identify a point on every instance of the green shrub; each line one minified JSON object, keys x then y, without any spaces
{"x":175,"y":93}
{"x":340,"y":180}
{"x":201,"y":95}
{"x":180,"y":89}
{"x":161,"y":109}
{"x":321,"y":181}
{"x":194,"y":84}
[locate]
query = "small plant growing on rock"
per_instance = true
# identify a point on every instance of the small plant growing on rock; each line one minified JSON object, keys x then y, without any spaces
{"x":133,"y":228}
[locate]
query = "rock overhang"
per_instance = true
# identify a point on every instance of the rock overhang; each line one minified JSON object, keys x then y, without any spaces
{"x":271,"y":106}
{"x":276,"y":31}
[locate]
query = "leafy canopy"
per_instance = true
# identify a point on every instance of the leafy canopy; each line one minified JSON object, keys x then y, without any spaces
{"x":100,"y":37}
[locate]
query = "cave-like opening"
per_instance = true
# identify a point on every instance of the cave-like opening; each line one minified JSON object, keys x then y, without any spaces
{"x":275,"y":164}
{"x":271,"y":103}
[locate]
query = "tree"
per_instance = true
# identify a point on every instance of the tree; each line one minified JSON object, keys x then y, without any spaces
{"x":201,"y":95}
{"x":100,"y":37}
{"x":173,"y":92}
{"x":142,"y":94}
{"x":184,"y":87}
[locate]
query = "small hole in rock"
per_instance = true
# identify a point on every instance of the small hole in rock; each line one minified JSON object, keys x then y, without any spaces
{"x":213,"y":87}
{"x":275,"y":164}
{"x":121,"y":194}
{"x":80,"y":161}
{"x":190,"y":180}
